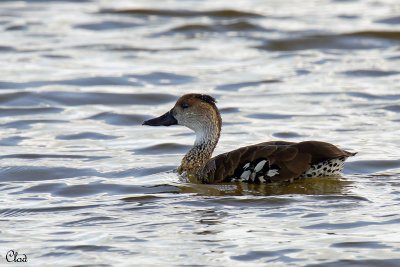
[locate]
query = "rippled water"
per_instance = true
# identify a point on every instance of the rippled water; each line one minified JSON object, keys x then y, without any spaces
{"x":83,"y":183}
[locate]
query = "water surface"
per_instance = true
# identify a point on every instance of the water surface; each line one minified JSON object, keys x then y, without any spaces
{"x":83,"y":183}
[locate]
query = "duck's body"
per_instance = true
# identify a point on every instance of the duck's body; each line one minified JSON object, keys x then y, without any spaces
{"x":261,"y":163}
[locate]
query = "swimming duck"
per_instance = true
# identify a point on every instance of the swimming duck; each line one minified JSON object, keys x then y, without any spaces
{"x":266,"y":162}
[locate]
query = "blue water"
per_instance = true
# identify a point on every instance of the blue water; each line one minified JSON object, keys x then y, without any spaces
{"x":83,"y":183}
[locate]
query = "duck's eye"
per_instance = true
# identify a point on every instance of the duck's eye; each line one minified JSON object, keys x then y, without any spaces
{"x":185,"y":105}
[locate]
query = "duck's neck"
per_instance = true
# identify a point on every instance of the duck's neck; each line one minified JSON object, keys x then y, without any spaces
{"x":206,"y":140}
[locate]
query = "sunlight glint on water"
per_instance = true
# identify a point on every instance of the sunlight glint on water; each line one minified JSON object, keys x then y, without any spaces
{"x":83,"y":183}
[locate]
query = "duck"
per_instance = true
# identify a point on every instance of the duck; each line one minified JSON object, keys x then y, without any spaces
{"x":267,"y":162}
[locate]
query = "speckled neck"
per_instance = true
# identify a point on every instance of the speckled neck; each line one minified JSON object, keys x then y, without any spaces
{"x":206,"y":141}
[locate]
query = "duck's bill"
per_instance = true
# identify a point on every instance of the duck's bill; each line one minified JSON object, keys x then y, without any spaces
{"x":165,"y":120}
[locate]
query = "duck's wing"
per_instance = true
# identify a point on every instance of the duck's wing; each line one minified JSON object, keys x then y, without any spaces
{"x":321,"y":151}
{"x":267,"y":162}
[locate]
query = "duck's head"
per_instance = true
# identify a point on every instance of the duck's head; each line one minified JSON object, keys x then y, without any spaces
{"x":195,"y":111}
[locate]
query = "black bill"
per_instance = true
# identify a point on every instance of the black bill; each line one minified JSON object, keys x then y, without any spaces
{"x":165,"y":120}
